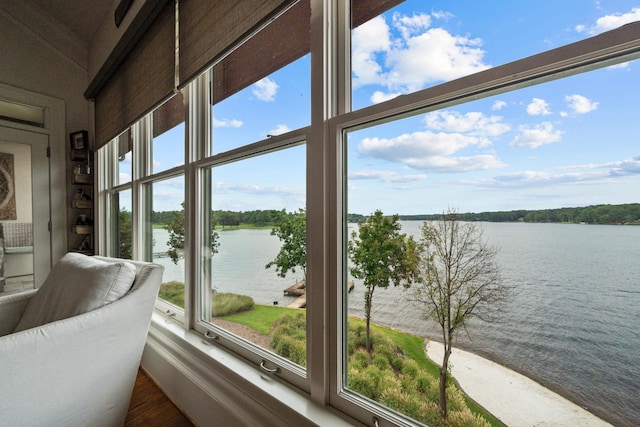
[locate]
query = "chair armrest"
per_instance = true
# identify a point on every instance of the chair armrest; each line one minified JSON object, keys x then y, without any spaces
{"x":11,"y":310}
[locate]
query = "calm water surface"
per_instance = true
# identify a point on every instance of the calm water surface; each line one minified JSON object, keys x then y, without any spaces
{"x":573,"y":323}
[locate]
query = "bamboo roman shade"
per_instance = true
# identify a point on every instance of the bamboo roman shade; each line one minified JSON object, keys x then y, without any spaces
{"x":143,"y":78}
{"x":208,"y":28}
{"x":141,"y":72}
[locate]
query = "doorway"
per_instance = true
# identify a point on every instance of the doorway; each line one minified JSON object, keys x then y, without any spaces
{"x":25,"y":214}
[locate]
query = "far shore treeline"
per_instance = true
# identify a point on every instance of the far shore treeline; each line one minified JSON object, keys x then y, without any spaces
{"x":595,"y":214}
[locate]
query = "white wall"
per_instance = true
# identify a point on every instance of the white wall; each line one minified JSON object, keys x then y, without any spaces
{"x":40,"y":56}
{"x":46,"y":59}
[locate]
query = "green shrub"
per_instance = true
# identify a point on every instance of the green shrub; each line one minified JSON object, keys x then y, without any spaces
{"x":381,"y":362}
{"x":361,"y":381}
{"x":410,"y":368}
{"x":172,"y":292}
{"x":361,"y":357}
{"x":288,"y":338}
{"x":225,"y":304}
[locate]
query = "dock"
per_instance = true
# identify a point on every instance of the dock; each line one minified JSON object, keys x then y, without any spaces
{"x":299,"y":290}
{"x":296,"y":290}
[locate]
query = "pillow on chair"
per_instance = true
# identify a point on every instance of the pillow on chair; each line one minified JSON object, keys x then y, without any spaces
{"x":77,"y":284}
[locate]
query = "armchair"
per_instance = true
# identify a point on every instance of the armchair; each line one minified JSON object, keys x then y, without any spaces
{"x":78,"y":370}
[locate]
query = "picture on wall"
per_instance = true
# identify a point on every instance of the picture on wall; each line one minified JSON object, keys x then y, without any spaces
{"x":7,"y":188}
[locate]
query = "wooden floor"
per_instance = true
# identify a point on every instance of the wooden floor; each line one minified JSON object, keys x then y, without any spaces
{"x":150,"y":407}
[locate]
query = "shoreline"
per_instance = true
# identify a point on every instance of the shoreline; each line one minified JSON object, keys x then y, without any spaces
{"x":513,"y":398}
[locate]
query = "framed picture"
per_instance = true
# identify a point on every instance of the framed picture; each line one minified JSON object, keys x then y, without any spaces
{"x":79,"y":140}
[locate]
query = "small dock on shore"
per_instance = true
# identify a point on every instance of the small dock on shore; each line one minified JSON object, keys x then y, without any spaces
{"x":299,"y":290}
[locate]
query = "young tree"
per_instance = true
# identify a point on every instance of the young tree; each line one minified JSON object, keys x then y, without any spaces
{"x":124,"y":234}
{"x":459,"y":280}
{"x":381,"y":256}
{"x":176,"y":236}
{"x":291,"y":229}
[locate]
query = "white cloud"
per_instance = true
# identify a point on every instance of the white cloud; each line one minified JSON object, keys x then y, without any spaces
{"x":454,"y":164}
{"x":498,"y":105}
{"x":417,"y":144}
{"x":538,"y":107}
{"x":279,"y":130}
{"x":379,"y":96}
{"x":427,"y":150}
{"x":385,"y":176}
{"x":226,"y":123}
{"x":472,"y":123}
{"x":367,"y":40}
{"x":609,"y":22}
{"x":124,"y":178}
{"x":253,"y":189}
{"x":536,"y":136}
{"x":265,"y":89}
{"x":568,"y":175}
{"x":411,"y":25}
{"x":414,"y":55}
{"x":580,"y":104}
{"x":433,"y":56}
{"x":625,"y":167}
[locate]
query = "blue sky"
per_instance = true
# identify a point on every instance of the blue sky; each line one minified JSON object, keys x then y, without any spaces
{"x":569,"y":142}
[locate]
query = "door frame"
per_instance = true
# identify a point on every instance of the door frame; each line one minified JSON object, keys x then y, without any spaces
{"x":55,"y":129}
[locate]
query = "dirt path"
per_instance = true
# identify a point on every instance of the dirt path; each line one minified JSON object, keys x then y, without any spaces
{"x":245,"y":332}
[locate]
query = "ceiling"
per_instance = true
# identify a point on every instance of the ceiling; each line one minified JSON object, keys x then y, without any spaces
{"x":81,"y":17}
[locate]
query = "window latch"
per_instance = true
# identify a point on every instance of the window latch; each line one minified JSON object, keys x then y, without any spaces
{"x":269,"y":371}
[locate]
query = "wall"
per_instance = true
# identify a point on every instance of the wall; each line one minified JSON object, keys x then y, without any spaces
{"x":41,"y":56}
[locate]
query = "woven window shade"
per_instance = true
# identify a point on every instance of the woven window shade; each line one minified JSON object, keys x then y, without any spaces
{"x":208,"y":28}
{"x":141,"y":81}
{"x":280,"y":43}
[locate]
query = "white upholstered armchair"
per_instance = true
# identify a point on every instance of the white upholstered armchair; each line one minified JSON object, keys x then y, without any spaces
{"x":69,"y":353}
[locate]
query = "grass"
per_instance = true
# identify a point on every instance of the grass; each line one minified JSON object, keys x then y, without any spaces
{"x":397,"y":373}
{"x":261,"y":317}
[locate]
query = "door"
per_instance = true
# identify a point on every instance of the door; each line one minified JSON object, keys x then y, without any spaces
{"x":25,"y":208}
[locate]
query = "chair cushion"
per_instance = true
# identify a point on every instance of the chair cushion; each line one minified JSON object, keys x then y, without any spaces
{"x":77,"y":284}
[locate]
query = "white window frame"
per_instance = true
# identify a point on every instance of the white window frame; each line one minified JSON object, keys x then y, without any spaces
{"x":607,"y":49}
{"x":326,"y":166}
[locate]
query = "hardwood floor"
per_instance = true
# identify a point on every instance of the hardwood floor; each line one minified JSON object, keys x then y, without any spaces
{"x":150,"y":407}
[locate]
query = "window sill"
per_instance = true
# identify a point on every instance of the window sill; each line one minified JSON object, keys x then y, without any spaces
{"x":204,"y":379}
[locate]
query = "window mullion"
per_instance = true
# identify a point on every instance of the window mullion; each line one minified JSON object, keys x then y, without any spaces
{"x":197,"y":147}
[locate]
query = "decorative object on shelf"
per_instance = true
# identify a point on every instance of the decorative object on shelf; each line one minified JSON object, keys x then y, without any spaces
{"x":79,"y":140}
{"x":85,"y":244}
{"x":7,"y":188}
{"x":83,"y":219}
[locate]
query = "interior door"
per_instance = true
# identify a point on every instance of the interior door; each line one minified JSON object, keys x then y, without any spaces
{"x":25,"y":208}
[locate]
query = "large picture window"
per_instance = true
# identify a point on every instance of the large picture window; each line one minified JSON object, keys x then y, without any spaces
{"x":297,"y":192}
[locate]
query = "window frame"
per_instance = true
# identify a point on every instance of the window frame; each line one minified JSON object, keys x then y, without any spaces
{"x":600,"y":51}
{"x":331,"y":119}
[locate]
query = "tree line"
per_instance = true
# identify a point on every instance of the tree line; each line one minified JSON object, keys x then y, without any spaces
{"x":224,"y":218}
{"x":595,"y":214}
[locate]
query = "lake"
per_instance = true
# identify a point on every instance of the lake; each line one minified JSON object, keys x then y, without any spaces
{"x":572,"y":324}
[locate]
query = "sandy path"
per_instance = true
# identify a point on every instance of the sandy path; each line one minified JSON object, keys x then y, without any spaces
{"x":511,"y":397}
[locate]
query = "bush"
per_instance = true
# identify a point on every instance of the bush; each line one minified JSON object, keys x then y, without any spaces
{"x":289,"y":338}
{"x":361,"y":381}
{"x":225,"y":304}
{"x":172,"y":292}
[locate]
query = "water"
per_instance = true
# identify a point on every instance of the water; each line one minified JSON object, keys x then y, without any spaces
{"x":572,"y":324}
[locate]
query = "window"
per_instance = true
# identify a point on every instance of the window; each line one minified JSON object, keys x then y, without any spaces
{"x":532,"y":148}
{"x":247,"y":267}
{"x":165,"y":224}
{"x":498,"y":123}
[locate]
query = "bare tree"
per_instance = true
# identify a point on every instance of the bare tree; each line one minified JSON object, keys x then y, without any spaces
{"x":459,"y":280}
